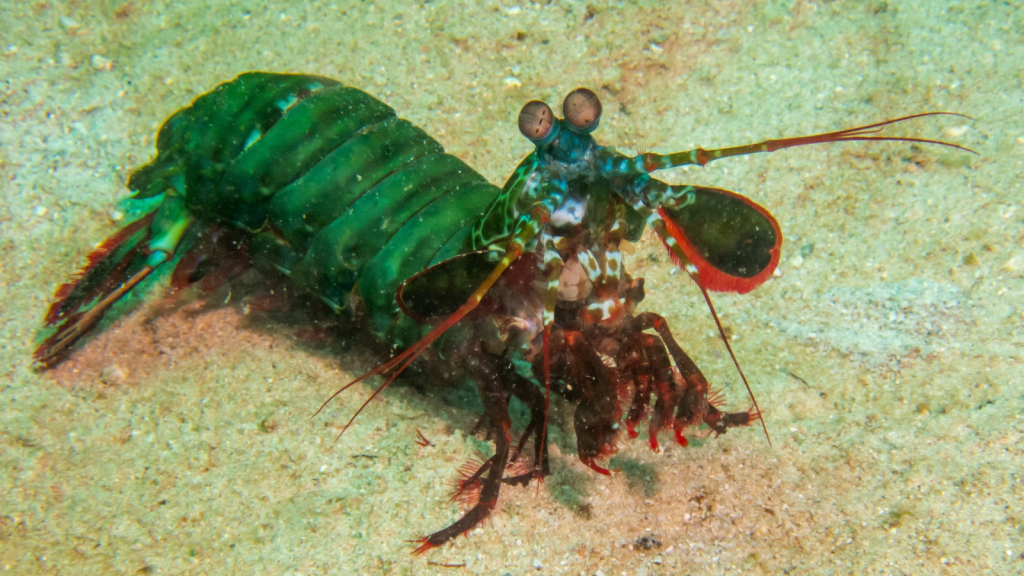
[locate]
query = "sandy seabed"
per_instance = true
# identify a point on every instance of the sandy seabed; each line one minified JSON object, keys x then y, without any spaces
{"x":886,"y":353}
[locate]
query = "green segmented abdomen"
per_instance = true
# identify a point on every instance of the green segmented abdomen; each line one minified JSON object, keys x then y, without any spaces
{"x":322,"y":194}
{"x":348,"y":243}
{"x":341,"y":194}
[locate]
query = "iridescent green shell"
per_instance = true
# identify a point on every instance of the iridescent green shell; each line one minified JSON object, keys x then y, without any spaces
{"x":342,"y":195}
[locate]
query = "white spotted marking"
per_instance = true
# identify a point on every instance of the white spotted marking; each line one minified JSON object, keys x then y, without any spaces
{"x":254,"y":136}
{"x":287,"y":103}
{"x":589,"y":264}
{"x":570,"y":213}
{"x":604,"y":307}
{"x":613,"y":263}
{"x":573,"y":283}
{"x":690,"y":198}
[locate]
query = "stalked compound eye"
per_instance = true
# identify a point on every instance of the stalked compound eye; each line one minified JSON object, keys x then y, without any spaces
{"x":582,"y":109}
{"x":537,"y":122}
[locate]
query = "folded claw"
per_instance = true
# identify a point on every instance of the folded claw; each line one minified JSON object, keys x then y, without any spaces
{"x":425,"y":545}
{"x":589,"y":461}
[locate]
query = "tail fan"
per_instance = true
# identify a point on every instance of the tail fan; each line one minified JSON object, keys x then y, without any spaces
{"x":113,"y":269}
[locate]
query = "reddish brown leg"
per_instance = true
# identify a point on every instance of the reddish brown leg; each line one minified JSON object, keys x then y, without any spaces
{"x":588,"y":383}
{"x":692,"y":406}
{"x":658,"y":370}
{"x":495,"y":400}
{"x":534,"y":400}
{"x":525,"y":391}
{"x":468,"y":486}
{"x":632,"y":364}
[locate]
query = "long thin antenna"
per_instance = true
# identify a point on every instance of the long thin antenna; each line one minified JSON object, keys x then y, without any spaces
{"x":721,"y":332}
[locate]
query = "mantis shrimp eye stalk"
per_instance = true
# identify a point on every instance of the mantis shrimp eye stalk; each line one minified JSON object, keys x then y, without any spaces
{"x":582,"y":109}
{"x":537,"y":122}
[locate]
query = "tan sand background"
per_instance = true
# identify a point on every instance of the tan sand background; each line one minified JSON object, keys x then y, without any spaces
{"x":886,"y":355}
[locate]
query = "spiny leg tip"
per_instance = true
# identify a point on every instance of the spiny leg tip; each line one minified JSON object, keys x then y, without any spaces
{"x":425,"y":545}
